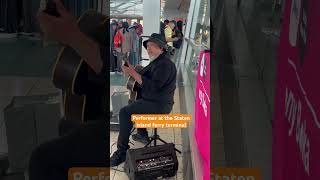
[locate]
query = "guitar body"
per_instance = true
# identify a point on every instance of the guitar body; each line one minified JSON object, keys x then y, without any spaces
{"x":70,"y":70}
{"x":74,"y":107}
{"x":132,"y":86}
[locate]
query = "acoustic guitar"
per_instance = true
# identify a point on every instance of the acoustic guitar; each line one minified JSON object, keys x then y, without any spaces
{"x":70,"y":69}
{"x":133,"y":85}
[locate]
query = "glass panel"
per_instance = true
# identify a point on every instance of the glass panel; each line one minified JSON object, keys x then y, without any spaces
{"x":200,"y":41}
{"x":262,"y":21}
{"x":206,"y":27}
{"x":203,"y":22}
{"x":192,"y":68}
{"x":247,"y":8}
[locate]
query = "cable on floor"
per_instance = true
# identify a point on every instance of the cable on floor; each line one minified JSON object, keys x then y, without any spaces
{"x":118,"y":170}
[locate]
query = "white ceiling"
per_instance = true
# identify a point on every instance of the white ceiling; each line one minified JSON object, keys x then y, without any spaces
{"x":126,"y":7}
{"x":135,"y":7}
{"x":181,"y":5}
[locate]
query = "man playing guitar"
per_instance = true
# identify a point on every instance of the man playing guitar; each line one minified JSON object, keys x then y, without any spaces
{"x":157,"y":84}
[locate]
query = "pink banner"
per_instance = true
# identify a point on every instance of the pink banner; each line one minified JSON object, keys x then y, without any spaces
{"x":296,"y":125}
{"x":202,"y":111}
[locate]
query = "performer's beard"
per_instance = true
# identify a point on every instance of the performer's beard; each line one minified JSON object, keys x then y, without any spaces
{"x":152,"y":58}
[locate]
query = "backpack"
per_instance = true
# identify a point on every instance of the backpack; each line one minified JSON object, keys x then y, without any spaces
{"x":117,"y":41}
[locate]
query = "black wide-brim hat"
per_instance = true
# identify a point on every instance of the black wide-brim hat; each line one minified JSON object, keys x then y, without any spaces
{"x":156,"y":38}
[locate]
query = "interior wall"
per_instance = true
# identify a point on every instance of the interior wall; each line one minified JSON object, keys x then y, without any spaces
{"x":247,"y":68}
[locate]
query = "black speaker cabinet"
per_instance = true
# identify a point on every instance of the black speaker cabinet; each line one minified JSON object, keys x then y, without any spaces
{"x":151,"y":162}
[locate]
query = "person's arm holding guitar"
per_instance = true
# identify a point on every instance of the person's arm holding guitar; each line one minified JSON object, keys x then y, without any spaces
{"x":65,"y":30}
{"x":129,"y":69}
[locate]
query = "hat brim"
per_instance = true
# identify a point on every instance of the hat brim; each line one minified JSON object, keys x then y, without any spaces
{"x":161,"y":44}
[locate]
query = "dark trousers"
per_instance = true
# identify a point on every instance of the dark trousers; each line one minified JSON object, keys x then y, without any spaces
{"x":137,"y":107}
{"x":113,"y":61}
{"x":81,"y":146}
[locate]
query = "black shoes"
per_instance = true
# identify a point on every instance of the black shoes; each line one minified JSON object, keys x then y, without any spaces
{"x":140,"y":138}
{"x":117,"y":158}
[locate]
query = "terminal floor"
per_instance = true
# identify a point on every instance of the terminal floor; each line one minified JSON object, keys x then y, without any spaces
{"x":25,"y":69}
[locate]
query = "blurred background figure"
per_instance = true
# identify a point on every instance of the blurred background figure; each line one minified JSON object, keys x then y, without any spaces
{"x":136,"y":31}
{"x":113,"y":53}
{"x":123,"y":42}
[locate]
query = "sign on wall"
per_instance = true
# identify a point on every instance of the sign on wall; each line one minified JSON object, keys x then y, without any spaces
{"x":296,"y":125}
{"x":202,"y":111}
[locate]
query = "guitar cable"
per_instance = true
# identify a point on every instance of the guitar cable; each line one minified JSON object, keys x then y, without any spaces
{"x":118,"y":170}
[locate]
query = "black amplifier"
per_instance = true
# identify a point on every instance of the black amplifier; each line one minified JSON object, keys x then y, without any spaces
{"x":151,"y":162}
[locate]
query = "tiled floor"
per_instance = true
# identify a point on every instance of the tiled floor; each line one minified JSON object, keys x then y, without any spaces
{"x":24,"y":70}
{"x":168,"y":135}
{"x":117,"y":79}
{"x":16,"y":86}
{"x":38,"y":81}
{"x":19,"y":86}
{"x":22,"y":57}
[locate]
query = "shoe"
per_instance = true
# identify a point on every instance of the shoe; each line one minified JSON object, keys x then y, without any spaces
{"x":140,"y":138}
{"x":117,"y":158}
